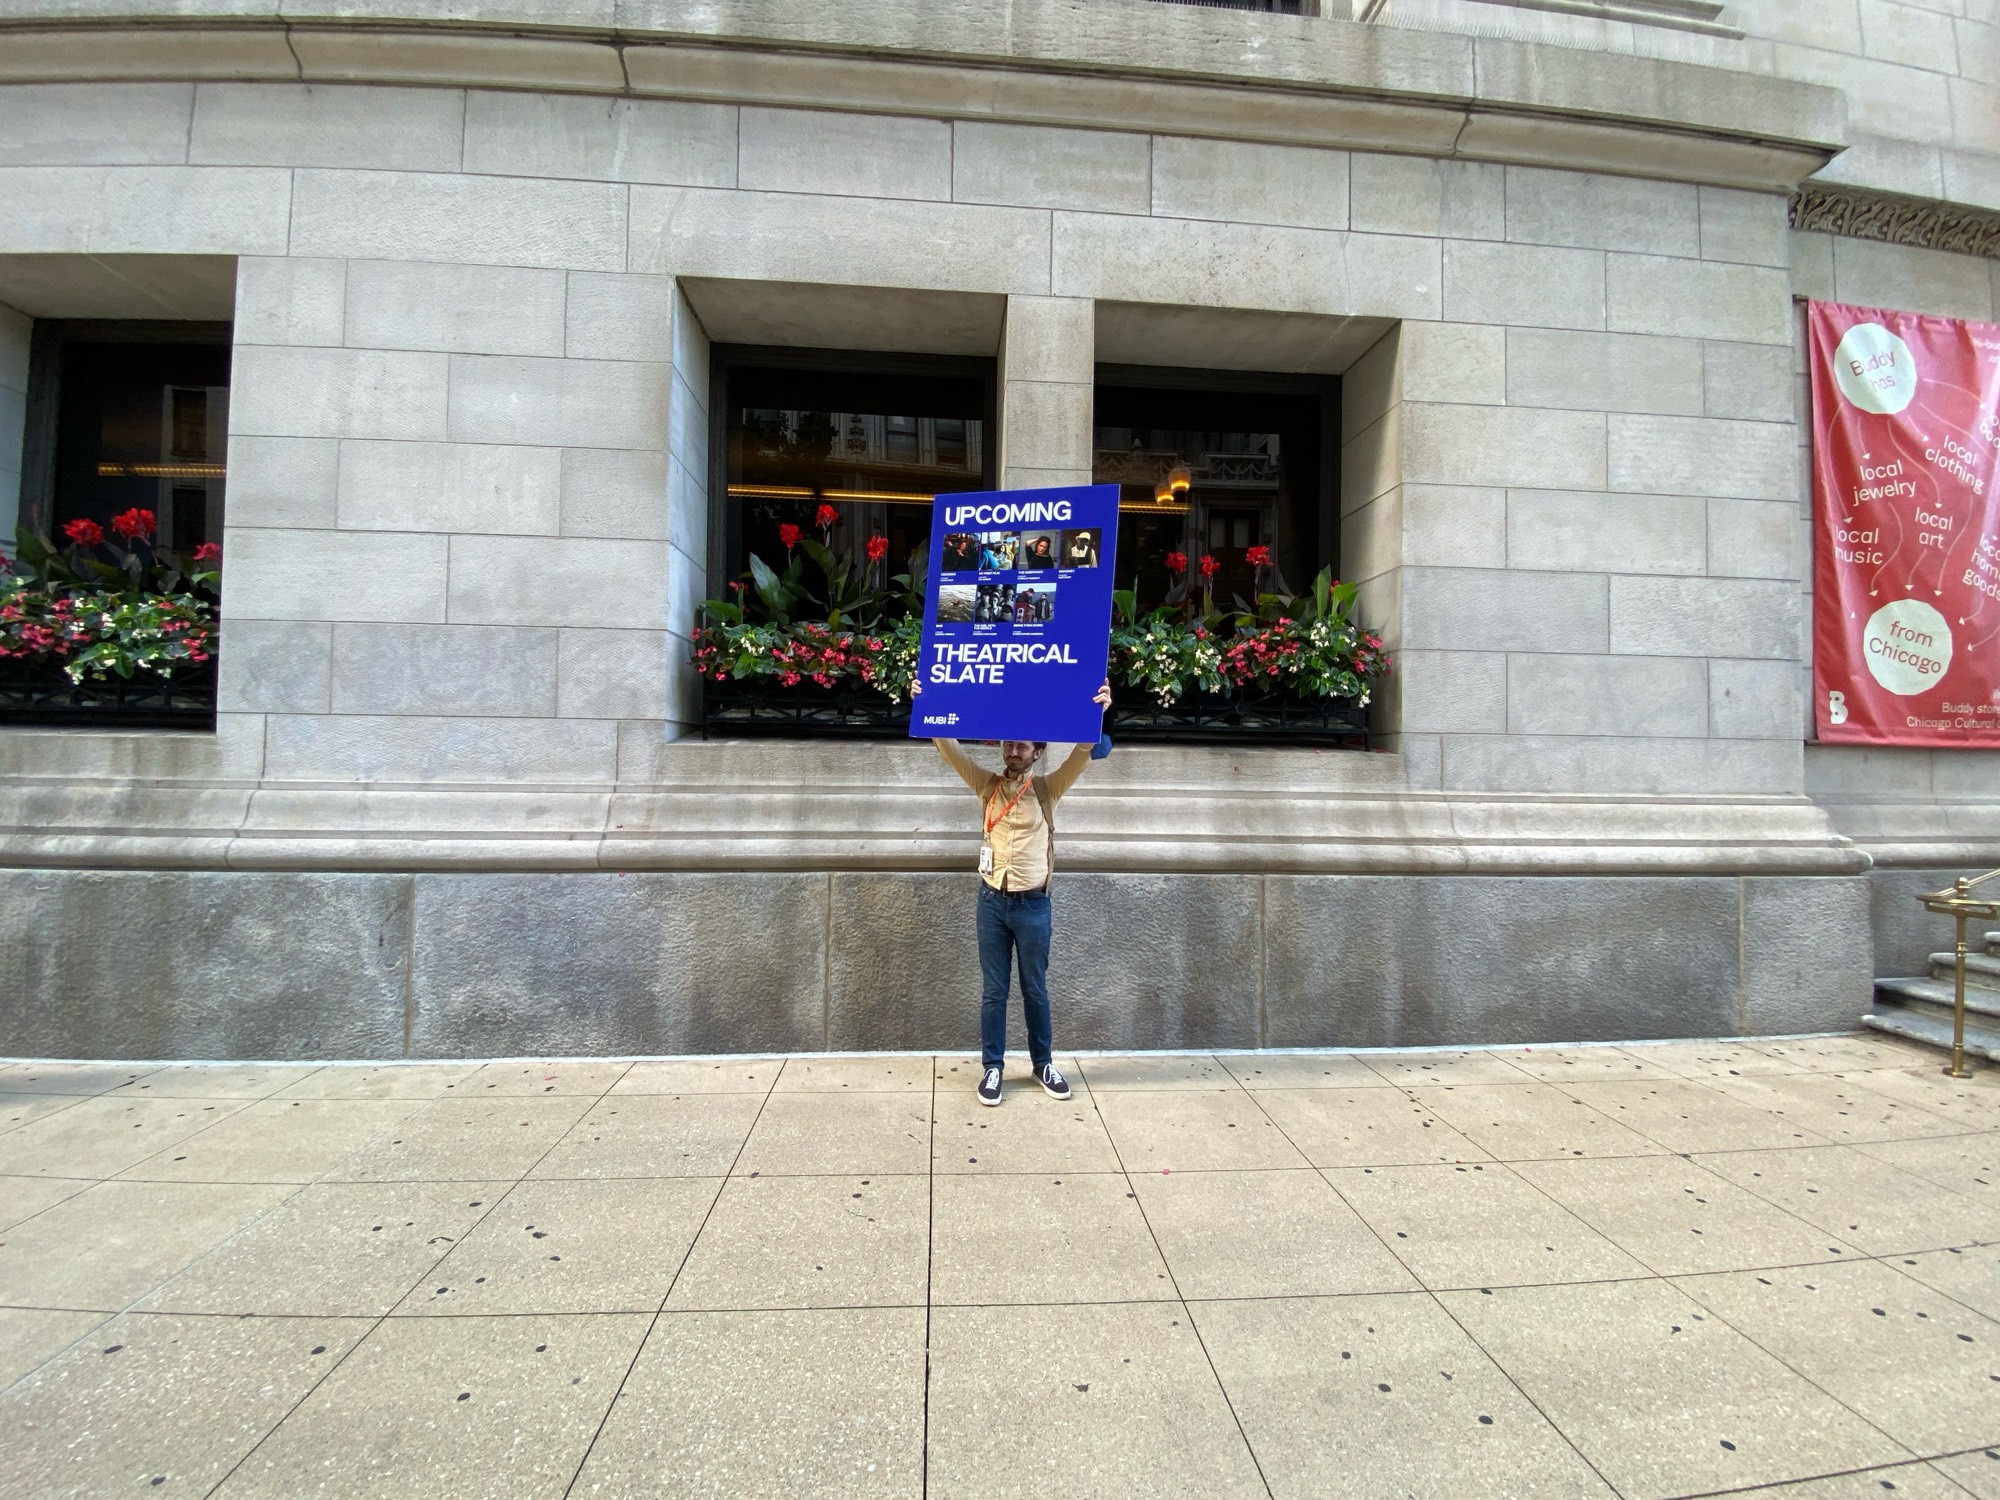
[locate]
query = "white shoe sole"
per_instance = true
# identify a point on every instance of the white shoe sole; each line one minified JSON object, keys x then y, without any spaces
{"x":993,"y":1103}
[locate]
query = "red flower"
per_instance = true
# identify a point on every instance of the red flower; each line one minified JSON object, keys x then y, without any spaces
{"x":789,"y":535}
{"x":1176,"y":562}
{"x":207,"y":552}
{"x":134,"y":523}
{"x":826,"y":517}
{"x":878,"y":546}
{"x":84,"y":533}
{"x":1209,"y":565}
{"x":1259,"y":557}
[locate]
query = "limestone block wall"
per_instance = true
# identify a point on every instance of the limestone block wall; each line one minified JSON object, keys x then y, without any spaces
{"x":1573,"y":499}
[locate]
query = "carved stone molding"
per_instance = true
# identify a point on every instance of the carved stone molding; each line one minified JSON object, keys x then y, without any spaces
{"x":1901,"y":221}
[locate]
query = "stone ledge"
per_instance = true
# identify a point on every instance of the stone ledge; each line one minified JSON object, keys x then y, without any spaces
{"x":1115,"y":64}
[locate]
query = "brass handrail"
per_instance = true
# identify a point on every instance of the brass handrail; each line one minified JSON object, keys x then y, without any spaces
{"x":1958,"y":902}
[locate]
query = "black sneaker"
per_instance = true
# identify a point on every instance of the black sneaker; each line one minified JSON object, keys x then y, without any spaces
{"x":989,"y":1087}
{"x":1053,"y":1083}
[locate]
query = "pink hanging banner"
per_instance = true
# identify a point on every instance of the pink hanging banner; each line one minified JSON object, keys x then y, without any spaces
{"x":1906,"y":528}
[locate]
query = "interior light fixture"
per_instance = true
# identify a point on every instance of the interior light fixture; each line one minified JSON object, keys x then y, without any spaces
{"x":161,"y":471}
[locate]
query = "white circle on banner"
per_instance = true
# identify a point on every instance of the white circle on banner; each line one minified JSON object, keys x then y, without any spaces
{"x":1875,"y":369}
{"x":1907,"y":645}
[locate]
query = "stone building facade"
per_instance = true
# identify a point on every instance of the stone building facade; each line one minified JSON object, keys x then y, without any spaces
{"x":477,"y":262}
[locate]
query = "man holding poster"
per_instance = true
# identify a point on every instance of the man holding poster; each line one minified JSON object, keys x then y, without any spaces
{"x":1024,"y":677}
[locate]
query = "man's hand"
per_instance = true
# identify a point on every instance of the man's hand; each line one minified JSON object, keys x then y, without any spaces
{"x":1103,"y":695}
{"x":915,"y":687}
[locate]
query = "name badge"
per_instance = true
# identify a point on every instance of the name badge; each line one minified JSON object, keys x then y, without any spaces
{"x":986,"y":859}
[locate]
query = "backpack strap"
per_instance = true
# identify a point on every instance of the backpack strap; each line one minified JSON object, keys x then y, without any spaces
{"x":1048,"y":820}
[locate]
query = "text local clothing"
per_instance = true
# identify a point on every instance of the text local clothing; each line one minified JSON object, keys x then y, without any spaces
{"x":1018,"y":833}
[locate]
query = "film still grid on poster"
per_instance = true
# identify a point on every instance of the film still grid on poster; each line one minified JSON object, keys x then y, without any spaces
{"x":1017,"y":633}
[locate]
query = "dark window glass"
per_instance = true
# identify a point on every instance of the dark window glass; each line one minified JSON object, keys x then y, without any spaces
{"x":142,"y":425}
{"x":1214,"y":472}
{"x":877,"y":445}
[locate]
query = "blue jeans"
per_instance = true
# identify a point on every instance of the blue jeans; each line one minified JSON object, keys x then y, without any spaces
{"x":1013,"y":927}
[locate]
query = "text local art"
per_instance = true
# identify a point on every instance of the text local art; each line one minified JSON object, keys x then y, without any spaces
{"x":1906,"y":599}
{"x":1017,"y":625}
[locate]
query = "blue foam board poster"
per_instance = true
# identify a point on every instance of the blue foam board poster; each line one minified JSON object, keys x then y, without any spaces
{"x":1017,"y":628}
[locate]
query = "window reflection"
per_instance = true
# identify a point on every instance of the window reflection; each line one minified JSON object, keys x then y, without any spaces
{"x":1212,"y":473}
{"x":877,"y":446}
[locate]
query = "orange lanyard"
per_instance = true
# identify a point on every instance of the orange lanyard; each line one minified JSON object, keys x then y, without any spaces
{"x":991,"y":821}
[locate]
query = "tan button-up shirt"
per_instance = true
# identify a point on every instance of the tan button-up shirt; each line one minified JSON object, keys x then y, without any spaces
{"x":1019,"y":839}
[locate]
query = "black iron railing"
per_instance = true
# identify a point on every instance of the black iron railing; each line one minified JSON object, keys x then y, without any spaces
{"x":42,"y":694}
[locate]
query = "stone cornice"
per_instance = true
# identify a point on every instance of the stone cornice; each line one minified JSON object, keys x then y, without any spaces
{"x":1111,"y":64}
{"x":1900,"y":221}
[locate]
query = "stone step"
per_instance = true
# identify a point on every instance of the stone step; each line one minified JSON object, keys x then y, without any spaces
{"x":1921,"y":1026}
{"x":1935,"y":995}
{"x":1981,"y":969}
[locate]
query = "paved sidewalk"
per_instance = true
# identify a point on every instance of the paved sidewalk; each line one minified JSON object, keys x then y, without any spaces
{"x":1659,"y":1270}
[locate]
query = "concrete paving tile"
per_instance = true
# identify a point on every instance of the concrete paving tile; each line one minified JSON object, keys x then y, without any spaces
{"x":1909,"y":1481}
{"x":856,"y":1075}
{"x":1364,"y":1128}
{"x":1478,"y":1225}
{"x":1041,"y":1135}
{"x":717,"y":1075}
{"x":1968,"y":1164}
{"x":1865,"y":1202}
{"x":464,"y":1140}
{"x":1974,"y":1103}
{"x":217,"y":1080}
{"x":516,"y":1079}
{"x":1185,"y":1130}
{"x":811,"y":1242}
{"x":466,"y":1407}
{"x":610,"y":1245}
{"x":1714,"y":1059}
{"x":1306,"y":1070}
{"x":30,"y":1336}
{"x":1263,"y":1234}
{"x":1688,"y":1116}
{"x":276,"y":1140}
{"x":24,"y":1197}
{"x":1836,"y":1107}
{"x":845,"y":1135}
{"x":1075,"y":1238}
{"x":1116,"y":1400}
{"x":725,"y":1404}
{"x":349,"y":1249}
{"x":1969,"y":1273}
{"x":1563,"y":1065}
{"x":1845,"y":1054}
{"x":71,"y":1078}
{"x":383,"y":1081}
{"x":1165,"y":1070}
{"x":1678,"y":1218}
{"x":1660,"y":1396}
{"x":1413,"y":1068}
{"x":1978,"y":1472}
{"x":654,"y":1135}
{"x":17,"y":1110}
{"x":1535,"y":1121}
{"x":1381,"y":1395}
{"x":103,"y":1136}
{"x":111,"y":1244}
{"x":1919,"y":1366}
{"x":156,"y":1402}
